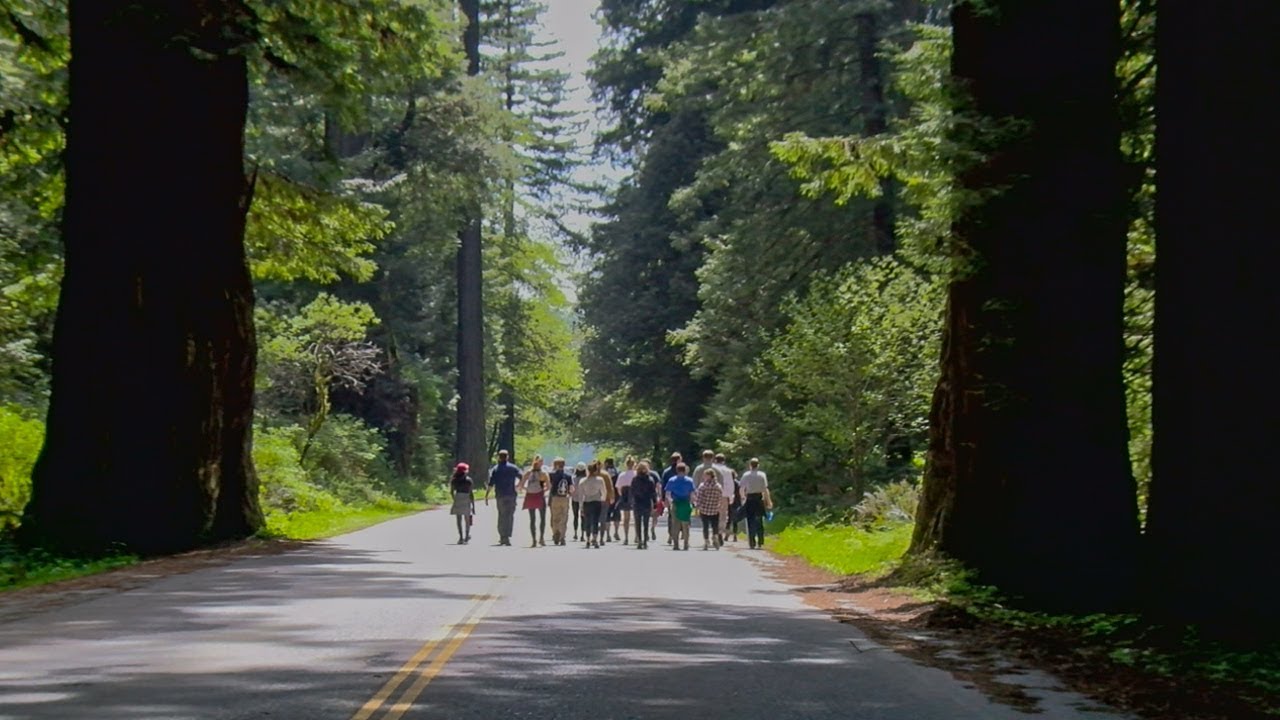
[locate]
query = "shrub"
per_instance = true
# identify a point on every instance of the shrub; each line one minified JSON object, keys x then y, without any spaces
{"x":348,"y":459}
{"x":285,"y":486}
{"x":892,"y":503}
{"x":20,"y":443}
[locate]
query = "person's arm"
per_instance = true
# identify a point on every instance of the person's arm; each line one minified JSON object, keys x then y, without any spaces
{"x":488,"y":486}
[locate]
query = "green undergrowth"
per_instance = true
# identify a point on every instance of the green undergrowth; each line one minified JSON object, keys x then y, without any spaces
{"x":23,"y":567}
{"x":843,"y":548}
{"x":1127,"y":640}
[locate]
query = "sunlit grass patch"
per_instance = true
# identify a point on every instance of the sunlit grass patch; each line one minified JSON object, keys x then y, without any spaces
{"x":844,"y":549}
{"x":336,"y":521}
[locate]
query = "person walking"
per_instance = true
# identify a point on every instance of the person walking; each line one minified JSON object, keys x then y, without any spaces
{"x":650,"y":530}
{"x":594,"y":495}
{"x":462,"y":488}
{"x":755,"y":490}
{"x":579,"y":474}
{"x":502,"y":481}
{"x":728,"y":479}
{"x":707,"y":499}
{"x":535,"y":483}
{"x":611,"y":505}
{"x":561,"y":490}
{"x":735,"y":510}
{"x":679,"y":492}
{"x":670,"y":472}
{"x":643,"y":496}
{"x":623,"y":484}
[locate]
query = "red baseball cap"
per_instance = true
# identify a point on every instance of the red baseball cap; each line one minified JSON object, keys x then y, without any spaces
{"x":462,"y":467}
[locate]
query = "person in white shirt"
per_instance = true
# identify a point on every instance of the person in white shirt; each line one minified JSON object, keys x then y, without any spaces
{"x":755,"y":494}
{"x":726,"y":475}
{"x":623,"y":485}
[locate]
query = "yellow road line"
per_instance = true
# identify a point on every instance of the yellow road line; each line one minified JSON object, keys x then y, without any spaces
{"x":369,"y":708}
{"x":464,"y":630}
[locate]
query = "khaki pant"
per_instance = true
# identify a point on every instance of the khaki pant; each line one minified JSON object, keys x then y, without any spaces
{"x":724,"y":516}
{"x":559,"y":517}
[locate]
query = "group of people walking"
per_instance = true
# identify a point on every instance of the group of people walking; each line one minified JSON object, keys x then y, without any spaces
{"x":598,"y":496}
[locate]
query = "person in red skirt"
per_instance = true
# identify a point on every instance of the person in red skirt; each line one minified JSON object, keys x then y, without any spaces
{"x":535,"y":483}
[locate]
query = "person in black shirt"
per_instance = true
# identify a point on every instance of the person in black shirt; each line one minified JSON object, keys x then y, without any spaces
{"x":644,"y":495}
{"x":464,"y":500}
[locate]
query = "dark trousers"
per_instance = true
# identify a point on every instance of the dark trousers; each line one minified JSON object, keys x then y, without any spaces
{"x":577,"y":513}
{"x":506,"y":516}
{"x":753,"y":509}
{"x":710,"y":526}
{"x":534,"y":513}
{"x":642,"y":514}
{"x":592,"y":511}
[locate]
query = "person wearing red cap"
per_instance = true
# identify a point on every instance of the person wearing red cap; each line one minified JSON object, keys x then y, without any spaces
{"x":464,"y":500}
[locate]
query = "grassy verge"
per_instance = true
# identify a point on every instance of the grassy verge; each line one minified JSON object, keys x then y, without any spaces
{"x":844,"y":549}
{"x":338,"y":521}
{"x":21,"y":567}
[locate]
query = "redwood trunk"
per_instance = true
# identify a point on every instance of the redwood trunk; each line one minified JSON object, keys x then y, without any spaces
{"x":1213,"y":544}
{"x":471,"y":430}
{"x":1029,"y":480}
{"x":148,"y":441}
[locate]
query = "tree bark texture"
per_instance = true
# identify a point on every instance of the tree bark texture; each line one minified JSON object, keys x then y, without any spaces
{"x":1029,"y":479}
{"x":1212,"y":541}
{"x":149,"y":427}
{"x":471,"y":445}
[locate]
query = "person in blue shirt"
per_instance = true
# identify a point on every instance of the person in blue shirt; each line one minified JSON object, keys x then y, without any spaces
{"x":680,"y":491}
{"x":502,"y":482}
{"x":667,"y":474}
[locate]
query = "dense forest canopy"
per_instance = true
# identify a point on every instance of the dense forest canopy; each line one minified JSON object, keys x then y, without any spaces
{"x":891,"y":247}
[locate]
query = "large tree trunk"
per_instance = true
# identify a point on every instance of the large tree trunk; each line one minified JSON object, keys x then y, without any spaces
{"x":1211,"y":526}
{"x":470,"y":439}
{"x":1029,"y":480}
{"x":148,"y":441}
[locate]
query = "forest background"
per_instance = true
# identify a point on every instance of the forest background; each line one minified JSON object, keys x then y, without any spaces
{"x":856,"y":239}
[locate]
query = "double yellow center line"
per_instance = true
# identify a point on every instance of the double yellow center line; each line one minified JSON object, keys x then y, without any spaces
{"x":449,"y":639}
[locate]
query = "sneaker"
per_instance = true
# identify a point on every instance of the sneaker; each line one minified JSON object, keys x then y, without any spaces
{"x":616,"y":537}
{"x":542,"y":542}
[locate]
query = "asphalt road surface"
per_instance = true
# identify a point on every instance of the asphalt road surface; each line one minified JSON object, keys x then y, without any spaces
{"x":397,"y":621}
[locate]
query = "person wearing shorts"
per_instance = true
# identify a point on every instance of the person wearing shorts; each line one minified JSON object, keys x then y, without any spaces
{"x":623,"y":506}
{"x":679,"y":495}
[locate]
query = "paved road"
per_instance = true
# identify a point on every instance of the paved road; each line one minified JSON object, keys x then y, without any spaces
{"x":395,"y":621}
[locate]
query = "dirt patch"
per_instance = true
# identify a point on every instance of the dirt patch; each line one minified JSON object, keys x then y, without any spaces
{"x":1001,"y":661}
{"x":24,"y":602}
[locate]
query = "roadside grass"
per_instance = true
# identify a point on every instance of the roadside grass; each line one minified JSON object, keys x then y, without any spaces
{"x":844,"y":549}
{"x":23,"y":567}
{"x":1178,"y":656}
{"x":321,"y":524}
